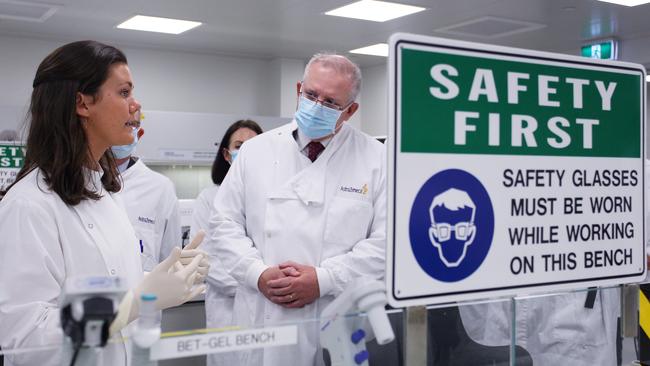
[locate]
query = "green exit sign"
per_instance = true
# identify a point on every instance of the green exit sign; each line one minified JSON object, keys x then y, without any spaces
{"x":604,"y":50}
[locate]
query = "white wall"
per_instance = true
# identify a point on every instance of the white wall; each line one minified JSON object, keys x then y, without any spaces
{"x":374,"y":100}
{"x":199,"y":83}
{"x":168,"y":81}
{"x":171,"y":81}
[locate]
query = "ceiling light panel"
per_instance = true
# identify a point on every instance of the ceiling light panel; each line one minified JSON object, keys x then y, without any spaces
{"x":376,"y":11}
{"x":160,"y":25}
{"x":490,"y":27}
{"x":627,"y":2}
{"x":24,"y":10}
{"x":379,"y":49}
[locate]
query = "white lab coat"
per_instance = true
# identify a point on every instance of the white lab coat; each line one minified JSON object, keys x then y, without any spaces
{"x":203,"y":207}
{"x":220,"y":295}
{"x":276,"y":205}
{"x":43,"y":241}
{"x":152,"y":206}
{"x":555,"y":330}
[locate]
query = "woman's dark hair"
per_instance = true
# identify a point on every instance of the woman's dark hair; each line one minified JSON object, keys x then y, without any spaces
{"x":56,"y":141}
{"x":220,"y":166}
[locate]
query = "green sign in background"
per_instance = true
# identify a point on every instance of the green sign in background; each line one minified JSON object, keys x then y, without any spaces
{"x":427,"y":123}
{"x":11,"y":156}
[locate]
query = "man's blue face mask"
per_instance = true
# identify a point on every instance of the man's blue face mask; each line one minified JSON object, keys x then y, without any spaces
{"x":123,"y":151}
{"x":315,"y":120}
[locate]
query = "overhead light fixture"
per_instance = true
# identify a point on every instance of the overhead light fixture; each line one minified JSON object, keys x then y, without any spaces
{"x":379,"y":49}
{"x":373,"y":10}
{"x":627,"y":2}
{"x":160,"y":25}
{"x":26,"y":11}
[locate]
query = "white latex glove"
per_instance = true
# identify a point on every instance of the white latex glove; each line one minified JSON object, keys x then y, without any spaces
{"x":171,"y":287}
{"x":190,"y":252}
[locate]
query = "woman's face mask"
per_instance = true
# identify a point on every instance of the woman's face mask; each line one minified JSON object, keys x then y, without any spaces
{"x":124,"y":151}
{"x":233,"y":155}
{"x":315,"y":120}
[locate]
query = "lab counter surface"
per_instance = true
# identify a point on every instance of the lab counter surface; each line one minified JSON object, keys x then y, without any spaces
{"x":191,"y":315}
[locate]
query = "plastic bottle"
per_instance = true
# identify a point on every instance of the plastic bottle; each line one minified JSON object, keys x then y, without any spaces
{"x":147,"y":329}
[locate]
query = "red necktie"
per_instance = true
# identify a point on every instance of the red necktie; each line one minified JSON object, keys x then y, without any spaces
{"x":314,"y":148}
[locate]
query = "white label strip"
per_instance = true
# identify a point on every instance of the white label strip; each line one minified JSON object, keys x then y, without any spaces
{"x":187,"y":154}
{"x":203,"y":344}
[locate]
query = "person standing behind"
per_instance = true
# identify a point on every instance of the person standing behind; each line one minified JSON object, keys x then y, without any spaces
{"x":231,"y":141}
{"x":221,"y":286}
{"x":150,"y":201}
{"x":302,"y":212}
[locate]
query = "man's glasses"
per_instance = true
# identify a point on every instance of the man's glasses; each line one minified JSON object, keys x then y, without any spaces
{"x":313,"y":97}
{"x":442,"y":231}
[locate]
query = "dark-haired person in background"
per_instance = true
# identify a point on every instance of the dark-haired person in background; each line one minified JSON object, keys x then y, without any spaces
{"x":232,"y":140}
{"x":221,"y":287}
{"x":61,"y":218}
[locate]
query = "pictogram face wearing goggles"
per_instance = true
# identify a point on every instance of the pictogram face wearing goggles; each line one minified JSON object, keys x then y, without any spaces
{"x":463,"y":230}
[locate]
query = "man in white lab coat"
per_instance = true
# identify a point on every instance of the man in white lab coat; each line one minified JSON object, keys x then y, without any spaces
{"x":302,"y":212}
{"x":151,"y":203}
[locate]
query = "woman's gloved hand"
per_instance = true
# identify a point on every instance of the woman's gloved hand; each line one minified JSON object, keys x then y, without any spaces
{"x":190,"y":252}
{"x":172,"y":286}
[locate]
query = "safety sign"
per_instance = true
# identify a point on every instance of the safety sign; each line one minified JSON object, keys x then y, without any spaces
{"x":12,"y":158}
{"x":511,"y":171}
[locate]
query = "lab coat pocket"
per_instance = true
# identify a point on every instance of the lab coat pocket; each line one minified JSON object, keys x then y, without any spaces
{"x":147,"y":246}
{"x":348,"y":221}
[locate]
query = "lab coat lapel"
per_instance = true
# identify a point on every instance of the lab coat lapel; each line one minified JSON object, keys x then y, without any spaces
{"x":287,"y":164}
{"x":309,"y":184}
{"x":89,"y":221}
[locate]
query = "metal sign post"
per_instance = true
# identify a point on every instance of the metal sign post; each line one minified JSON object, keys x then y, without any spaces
{"x":415,"y":336}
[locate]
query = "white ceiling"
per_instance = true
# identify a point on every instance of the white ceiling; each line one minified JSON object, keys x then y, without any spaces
{"x":297,"y":28}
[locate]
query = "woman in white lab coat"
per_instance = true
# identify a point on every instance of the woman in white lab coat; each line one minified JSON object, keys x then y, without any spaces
{"x":61,"y":219}
{"x":231,"y":141}
{"x":221,"y":287}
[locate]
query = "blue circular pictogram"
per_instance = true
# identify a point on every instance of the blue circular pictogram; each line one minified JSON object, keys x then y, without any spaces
{"x":451,"y":225}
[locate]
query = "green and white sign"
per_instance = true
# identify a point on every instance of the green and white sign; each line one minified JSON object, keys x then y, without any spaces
{"x":511,"y":171}
{"x":605,"y":50}
{"x":12,"y":157}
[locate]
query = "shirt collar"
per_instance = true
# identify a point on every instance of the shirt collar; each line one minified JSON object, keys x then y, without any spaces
{"x":303,"y":140}
{"x":122,"y":167}
{"x":127,"y":164}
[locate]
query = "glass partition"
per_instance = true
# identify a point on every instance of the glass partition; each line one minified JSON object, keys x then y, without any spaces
{"x":571,"y":328}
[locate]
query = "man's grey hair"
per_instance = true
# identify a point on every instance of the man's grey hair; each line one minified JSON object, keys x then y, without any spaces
{"x":342,"y":65}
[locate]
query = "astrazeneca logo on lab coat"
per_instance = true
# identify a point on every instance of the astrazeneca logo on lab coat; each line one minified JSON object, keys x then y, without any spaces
{"x":451,"y":225}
